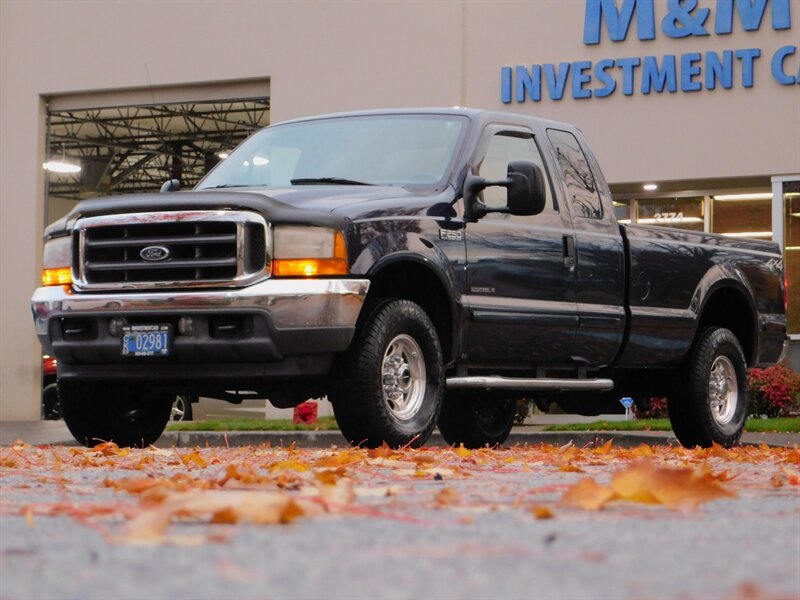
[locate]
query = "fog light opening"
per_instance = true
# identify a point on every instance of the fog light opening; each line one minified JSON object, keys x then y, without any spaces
{"x":186,"y":326}
{"x":115,"y":326}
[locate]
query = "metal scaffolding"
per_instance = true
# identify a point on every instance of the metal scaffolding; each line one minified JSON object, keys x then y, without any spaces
{"x":136,"y":148}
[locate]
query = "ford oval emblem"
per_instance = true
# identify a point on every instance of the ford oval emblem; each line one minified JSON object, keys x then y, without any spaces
{"x":154,"y":253}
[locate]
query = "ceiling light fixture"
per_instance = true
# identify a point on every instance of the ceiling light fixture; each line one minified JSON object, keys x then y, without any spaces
{"x":223,"y":155}
{"x":650,"y":187}
{"x":62,"y":165}
{"x":56,"y":166}
{"x":735,"y":197}
{"x":748,"y":234}
{"x":669,"y":220}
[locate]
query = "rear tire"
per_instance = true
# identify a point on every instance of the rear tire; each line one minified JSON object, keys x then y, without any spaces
{"x":476,"y":420}
{"x":711,"y":404}
{"x":181,"y":408}
{"x":125,"y":414}
{"x":390,"y":382}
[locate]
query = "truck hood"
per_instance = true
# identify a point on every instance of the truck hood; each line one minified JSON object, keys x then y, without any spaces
{"x":308,"y":204}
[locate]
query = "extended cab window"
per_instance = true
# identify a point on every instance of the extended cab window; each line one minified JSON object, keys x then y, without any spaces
{"x":505,"y":147}
{"x":581,"y":187}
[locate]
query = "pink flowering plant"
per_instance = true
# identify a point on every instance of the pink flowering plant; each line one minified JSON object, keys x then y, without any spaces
{"x":652,"y":408}
{"x":774,"y":391}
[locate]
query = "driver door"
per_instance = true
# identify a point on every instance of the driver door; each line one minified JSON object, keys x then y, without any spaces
{"x":520,"y":287}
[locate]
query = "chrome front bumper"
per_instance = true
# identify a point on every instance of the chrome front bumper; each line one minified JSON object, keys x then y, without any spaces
{"x":289,"y":303}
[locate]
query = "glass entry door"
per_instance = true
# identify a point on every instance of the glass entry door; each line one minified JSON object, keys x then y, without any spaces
{"x":791,"y":254}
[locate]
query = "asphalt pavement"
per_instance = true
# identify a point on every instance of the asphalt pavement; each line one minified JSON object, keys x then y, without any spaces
{"x":57,"y":543}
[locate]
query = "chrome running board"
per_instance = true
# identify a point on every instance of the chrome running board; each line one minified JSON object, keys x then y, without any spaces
{"x":512,"y":383}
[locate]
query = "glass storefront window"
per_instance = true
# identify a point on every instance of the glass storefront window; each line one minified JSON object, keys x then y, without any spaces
{"x":622,"y":210}
{"x":684,"y":213}
{"x":791,"y":254}
{"x":743,"y":216}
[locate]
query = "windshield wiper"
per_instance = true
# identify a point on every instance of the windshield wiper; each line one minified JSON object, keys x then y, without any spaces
{"x":227,"y":185}
{"x":325,"y":180}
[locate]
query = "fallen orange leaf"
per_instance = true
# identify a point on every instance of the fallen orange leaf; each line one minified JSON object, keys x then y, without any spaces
{"x":542,"y":512}
{"x":587,"y":494}
{"x":570,"y":468}
{"x":462,"y":452}
{"x":259,"y":508}
{"x":448,"y":497}
{"x":673,"y":487}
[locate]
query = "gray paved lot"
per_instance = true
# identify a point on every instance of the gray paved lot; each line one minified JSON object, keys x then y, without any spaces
{"x":404,"y":546}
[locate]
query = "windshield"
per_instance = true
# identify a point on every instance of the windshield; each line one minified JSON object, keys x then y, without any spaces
{"x":366,"y":150}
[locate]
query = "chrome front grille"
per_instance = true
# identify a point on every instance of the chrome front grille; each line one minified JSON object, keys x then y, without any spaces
{"x":171,"y":249}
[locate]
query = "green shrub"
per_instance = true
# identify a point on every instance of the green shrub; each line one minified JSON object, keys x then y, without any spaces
{"x":774,"y":391}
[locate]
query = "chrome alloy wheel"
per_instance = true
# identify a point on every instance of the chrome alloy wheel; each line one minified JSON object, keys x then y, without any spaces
{"x":404,"y":377}
{"x":178,"y":409}
{"x":723,"y":390}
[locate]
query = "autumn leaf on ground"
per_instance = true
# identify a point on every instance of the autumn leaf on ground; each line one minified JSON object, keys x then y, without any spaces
{"x":226,"y":507}
{"x":541,"y":512}
{"x":587,"y":494}
{"x":194,"y":457}
{"x":605,"y":448}
{"x":643,"y":481}
{"x":291,"y":464}
{"x":679,"y":488}
{"x":462,"y":452}
{"x":339,"y":494}
{"x":448,"y":497}
{"x":340,"y":458}
{"x":106,"y":449}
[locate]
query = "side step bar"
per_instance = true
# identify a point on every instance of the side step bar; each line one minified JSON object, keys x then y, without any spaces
{"x":511,"y":383}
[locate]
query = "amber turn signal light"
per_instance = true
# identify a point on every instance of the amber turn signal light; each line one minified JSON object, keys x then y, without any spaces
{"x":314,"y":267}
{"x":60,"y":276}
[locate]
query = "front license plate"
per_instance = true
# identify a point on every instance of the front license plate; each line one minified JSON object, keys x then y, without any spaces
{"x":146,"y":340}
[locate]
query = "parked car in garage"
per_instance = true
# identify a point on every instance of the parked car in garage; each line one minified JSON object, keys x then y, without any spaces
{"x":51,"y":407}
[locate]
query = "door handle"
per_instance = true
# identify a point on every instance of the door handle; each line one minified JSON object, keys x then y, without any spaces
{"x":570,"y":253}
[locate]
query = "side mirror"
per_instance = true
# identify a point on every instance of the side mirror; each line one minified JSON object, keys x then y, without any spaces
{"x":526,"y":194}
{"x":171,"y":185}
{"x":526,"y":191}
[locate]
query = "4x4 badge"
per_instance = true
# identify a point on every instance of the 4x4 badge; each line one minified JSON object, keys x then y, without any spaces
{"x":154,"y":253}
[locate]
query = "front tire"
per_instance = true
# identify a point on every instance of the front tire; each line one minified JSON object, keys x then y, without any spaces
{"x":126,"y":414}
{"x":476,"y":420}
{"x":711,"y":407}
{"x":390,"y":382}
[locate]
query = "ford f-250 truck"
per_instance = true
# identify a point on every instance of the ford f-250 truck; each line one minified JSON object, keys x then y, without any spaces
{"x":418,"y":267}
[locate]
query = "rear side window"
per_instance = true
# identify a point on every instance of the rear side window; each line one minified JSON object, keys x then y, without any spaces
{"x":582,"y":191}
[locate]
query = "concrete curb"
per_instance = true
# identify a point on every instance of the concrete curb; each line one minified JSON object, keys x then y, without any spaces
{"x":317,"y":439}
{"x":40,"y":433}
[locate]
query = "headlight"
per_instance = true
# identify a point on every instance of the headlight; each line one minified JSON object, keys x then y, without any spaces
{"x":57,"y":262}
{"x":300,"y":251}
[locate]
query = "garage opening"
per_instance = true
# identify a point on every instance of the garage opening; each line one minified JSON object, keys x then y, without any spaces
{"x":132,"y":141}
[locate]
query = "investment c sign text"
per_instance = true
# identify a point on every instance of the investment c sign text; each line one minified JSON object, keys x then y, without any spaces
{"x":690,"y":71}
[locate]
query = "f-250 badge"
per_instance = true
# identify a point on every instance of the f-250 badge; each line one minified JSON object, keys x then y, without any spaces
{"x":451,"y":235}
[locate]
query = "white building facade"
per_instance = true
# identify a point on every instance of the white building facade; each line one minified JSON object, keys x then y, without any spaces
{"x":700,"y":99}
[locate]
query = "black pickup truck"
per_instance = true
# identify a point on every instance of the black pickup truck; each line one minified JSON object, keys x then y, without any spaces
{"x":418,"y":267}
